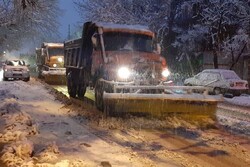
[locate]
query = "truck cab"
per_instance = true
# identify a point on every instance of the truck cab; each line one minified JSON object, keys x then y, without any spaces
{"x":50,"y":62}
{"x":108,"y":54}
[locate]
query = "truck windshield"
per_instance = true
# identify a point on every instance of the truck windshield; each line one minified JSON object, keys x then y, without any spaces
{"x":55,"y":52}
{"x":114,"y":41}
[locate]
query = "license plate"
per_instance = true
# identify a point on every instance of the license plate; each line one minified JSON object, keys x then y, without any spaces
{"x":239,"y":84}
{"x":17,"y":75}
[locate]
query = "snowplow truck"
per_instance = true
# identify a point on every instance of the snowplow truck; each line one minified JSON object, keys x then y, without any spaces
{"x":50,"y":63}
{"x":124,"y":66}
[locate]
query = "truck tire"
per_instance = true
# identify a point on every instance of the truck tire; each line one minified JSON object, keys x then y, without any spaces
{"x":71,"y":86}
{"x":99,"y":95}
{"x":81,"y":91}
{"x":5,"y":79}
{"x":27,"y":79}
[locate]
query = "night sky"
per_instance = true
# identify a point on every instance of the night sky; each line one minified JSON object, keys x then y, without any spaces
{"x":69,"y":17}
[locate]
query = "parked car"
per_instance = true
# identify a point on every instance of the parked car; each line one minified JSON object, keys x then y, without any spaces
{"x":219,"y":81}
{"x":15,"y":69}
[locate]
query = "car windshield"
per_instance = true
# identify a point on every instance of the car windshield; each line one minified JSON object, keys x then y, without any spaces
{"x":126,"y":41}
{"x":15,"y":63}
{"x":229,"y":75}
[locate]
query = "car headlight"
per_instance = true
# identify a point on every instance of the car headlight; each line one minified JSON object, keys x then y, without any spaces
{"x":60,"y":59}
{"x":6,"y":70}
{"x":165,"y":73}
{"x":124,"y":73}
{"x":54,"y":65}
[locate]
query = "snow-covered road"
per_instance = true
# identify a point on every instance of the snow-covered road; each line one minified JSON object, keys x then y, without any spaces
{"x":32,"y":118}
{"x":38,"y":130}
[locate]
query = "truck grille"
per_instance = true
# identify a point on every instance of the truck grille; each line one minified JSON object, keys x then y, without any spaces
{"x":148,"y":72}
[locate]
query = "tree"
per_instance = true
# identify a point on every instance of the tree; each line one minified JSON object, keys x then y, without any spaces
{"x":223,"y":18}
{"x":185,"y":28}
{"x":234,"y":47}
{"x":26,"y":19}
{"x":211,"y":25}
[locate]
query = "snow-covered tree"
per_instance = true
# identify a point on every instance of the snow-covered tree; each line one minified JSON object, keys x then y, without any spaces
{"x":235,"y":47}
{"x":185,"y":28}
{"x":223,"y":18}
{"x":26,"y":19}
{"x":211,"y":25}
{"x":152,"y":13}
{"x":117,"y":11}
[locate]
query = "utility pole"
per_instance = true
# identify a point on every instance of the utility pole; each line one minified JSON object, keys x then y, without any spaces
{"x":69,"y":33}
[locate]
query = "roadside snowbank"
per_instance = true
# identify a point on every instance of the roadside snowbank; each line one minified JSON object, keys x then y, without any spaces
{"x":36,"y":131}
{"x":243,"y":100}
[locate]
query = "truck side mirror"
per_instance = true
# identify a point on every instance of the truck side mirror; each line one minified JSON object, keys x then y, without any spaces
{"x":94,"y":41}
{"x":42,"y":51}
{"x":158,"y":48}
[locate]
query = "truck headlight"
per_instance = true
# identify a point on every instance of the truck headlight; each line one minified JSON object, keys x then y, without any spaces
{"x":165,"y":73}
{"x":5,"y":69}
{"x":124,"y":73}
{"x":60,"y":59}
{"x":55,"y":65}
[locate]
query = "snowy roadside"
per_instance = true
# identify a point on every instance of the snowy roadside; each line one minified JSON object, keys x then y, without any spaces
{"x":234,"y":115}
{"x":243,"y":100}
{"x":55,"y":134}
{"x":36,"y":131}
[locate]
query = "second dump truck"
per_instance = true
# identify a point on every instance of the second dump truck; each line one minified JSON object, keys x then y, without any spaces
{"x":50,"y":63}
{"x":124,"y":65}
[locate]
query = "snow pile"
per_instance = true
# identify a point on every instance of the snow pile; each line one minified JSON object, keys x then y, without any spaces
{"x":18,"y":154}
{"x":64,"y":163}
{"x":49,"y":154}
{"x":243,"y":100}
{"x":17,"y":124}
{"x":149,"y":123}
{"x":50,"y":157}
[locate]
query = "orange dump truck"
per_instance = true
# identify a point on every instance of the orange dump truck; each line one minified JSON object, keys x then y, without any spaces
{"x":50,"y":63}
{"x":124,"y":65}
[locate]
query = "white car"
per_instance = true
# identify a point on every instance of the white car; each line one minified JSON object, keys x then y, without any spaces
{"x":15,"y":69}
{"x":219,"y":81}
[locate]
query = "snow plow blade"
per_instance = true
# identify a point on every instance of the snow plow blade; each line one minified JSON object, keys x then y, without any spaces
{"x":192,"y":107}
{"x":55,"y":76}
{"x":55,"y":79}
